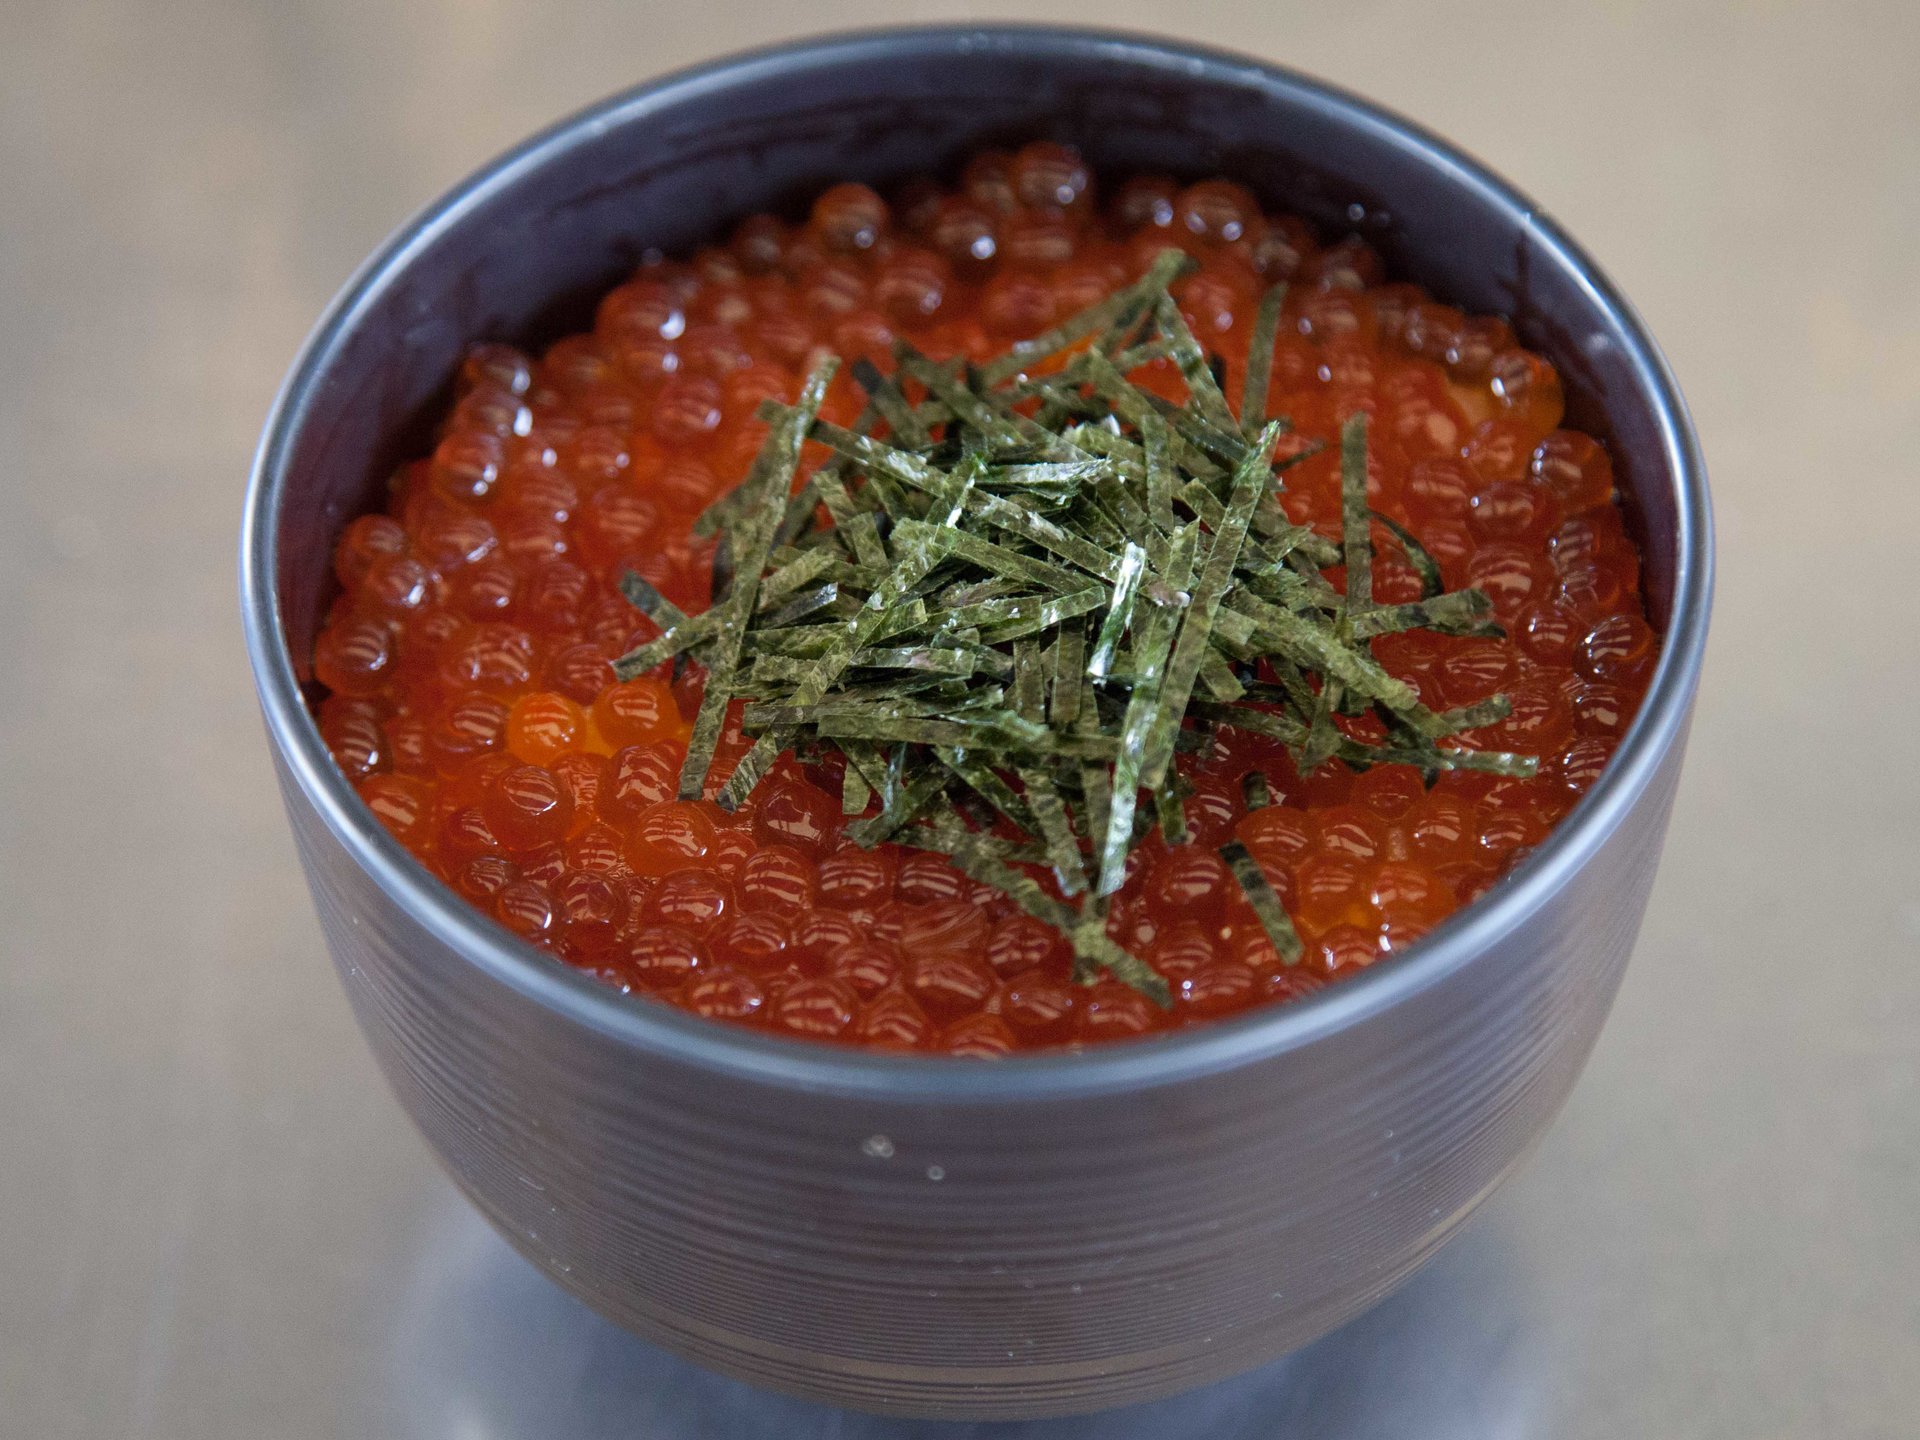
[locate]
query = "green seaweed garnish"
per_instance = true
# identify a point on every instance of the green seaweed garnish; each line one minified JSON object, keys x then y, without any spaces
{"x":1423,"y":563}
{"x":1012,"y":603}
{"x":771,"y":481}
{"x":1126,"y":585}
{"x":1223,"y":556}
{"x":1102,"y":315}
{"x":1266,"y":329}
{"x":1152,"y":645}
{"x":1355,"y":517}
{"x":1266,"y":904}
{"x":855,"y":793}
{"x":1258,"y":793}
{"x":640,"y":594}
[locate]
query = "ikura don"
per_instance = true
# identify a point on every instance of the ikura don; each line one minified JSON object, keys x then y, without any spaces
{"x":1010,"y":615}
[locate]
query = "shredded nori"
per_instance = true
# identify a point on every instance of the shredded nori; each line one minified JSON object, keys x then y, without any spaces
{"x":1034,"y":584}
{"x":1266,"y":904}
{"x":1266,"y":330}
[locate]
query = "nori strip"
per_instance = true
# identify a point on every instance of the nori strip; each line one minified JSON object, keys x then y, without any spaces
{"x":1316,"y":646}
{"x":640,"y":594}
{"x":993,"y":729}
{"x":1170,"y":812}
{"x":885,"y":397}
{"x":1069,"y":653}
{"x":1152,"y":646}
{"x":1258,"y":793}
{"x":1101,"y":315}
{"x":807,"y":602}
{"x":855,"y":793}
{"x":1266,"y":905}
{"x":1323,"y":736}
{"x":1217,"y":677}
{"x":1063,"y":851}
{"x":1092,"y":944}
{"x":1259,"y":377}
{"x":798,"y":517}
{"x":1423,"y":563}
{"x":1017,"y":519}
{"x":1008,"y":428}
{"x":1000,"y":560}
{"x":1050,"y":615}
{"x":1028,"y":694}
{"x":907,"y":800}
{"x":796,"y":574}
{"x":778,"y":459}
{"x":1191,"y":647}
{"x":1126,"y":586}
{"x":1156,"y":441}
{"x":1354,"y":516}
{"x":980,"y":777}
{"x":1459,"y":612}
{"x":1192,"y":363}
{"x":694,"y":630}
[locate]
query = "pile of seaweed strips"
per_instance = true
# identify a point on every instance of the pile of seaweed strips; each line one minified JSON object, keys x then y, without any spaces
{"x":1041,"y":584}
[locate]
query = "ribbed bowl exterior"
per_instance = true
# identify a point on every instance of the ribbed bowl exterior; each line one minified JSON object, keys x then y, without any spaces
{"x":1050,"y":1234}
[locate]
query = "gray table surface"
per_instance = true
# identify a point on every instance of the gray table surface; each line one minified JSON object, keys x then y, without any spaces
{"x":213,"y":1221}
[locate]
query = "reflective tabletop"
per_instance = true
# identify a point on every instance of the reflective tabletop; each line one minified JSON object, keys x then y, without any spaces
{"x":213,"y":1220}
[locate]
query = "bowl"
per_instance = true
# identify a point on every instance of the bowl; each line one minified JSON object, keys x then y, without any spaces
{"x":1050,"y":1233}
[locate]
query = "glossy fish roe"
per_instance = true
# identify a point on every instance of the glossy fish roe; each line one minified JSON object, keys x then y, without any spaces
{"x":467,"y":658}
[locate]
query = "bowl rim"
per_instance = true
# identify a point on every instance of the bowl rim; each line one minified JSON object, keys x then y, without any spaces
{"x":777,"y":1061}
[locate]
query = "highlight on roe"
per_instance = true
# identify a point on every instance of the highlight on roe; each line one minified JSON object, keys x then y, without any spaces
{"x":1418,"y":516}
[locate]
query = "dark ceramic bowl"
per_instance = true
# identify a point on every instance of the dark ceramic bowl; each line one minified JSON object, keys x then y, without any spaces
{"x":1047,"y":1234}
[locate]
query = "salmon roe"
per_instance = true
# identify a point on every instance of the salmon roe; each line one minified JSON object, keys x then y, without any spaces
{"x":473,"y":704}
